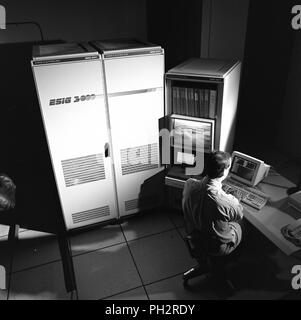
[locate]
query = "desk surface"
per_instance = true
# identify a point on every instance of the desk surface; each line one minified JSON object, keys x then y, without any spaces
{"x":274,"y":215}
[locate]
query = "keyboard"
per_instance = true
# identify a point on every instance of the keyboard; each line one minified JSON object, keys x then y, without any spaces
{"x":255,"y":199}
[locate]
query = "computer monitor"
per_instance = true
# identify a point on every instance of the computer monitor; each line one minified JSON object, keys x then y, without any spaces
{"x":191,"y":135}
{"x":247,"y":169}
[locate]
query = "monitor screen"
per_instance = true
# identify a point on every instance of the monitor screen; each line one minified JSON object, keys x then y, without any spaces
{"x":186,"y":131}
{"x":243,"y":168}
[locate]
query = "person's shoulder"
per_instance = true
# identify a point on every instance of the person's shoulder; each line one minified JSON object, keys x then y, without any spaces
{"x":193,"y":183}
{"x":227,"y":200}
{"x":193,"y":186}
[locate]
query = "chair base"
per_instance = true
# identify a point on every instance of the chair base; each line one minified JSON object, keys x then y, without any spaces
{"x":195,"y":272}
{"x":215,"y":273}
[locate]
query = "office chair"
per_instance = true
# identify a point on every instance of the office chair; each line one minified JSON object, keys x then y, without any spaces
{"x":214,"y":266}
{"x":8,"y":217}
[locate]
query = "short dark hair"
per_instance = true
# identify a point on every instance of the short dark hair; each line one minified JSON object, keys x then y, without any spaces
{"x":217,"y":162}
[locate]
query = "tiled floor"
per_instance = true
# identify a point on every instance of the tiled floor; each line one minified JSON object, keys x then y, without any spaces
{"x":141,"y":258}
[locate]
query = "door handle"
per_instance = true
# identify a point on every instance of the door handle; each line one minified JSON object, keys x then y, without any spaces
{"x":107,"y":149}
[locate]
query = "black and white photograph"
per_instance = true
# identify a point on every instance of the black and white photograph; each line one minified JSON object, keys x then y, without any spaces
{"x":150,"y":152}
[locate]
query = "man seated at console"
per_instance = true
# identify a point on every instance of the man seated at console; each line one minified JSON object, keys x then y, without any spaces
{"x":210,"y":214}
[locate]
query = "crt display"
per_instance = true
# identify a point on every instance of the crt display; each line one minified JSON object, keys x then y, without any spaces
{"x":243,"y":168}
{"x":185,"y":133}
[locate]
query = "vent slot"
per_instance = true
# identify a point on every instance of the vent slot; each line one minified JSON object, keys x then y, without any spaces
{"x":141,"y":158}
{"x":131,"y":204}
{"x":92,"y":214}
{"x":83,"y":169}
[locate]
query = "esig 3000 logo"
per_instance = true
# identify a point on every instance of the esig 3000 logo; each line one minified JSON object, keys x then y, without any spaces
{"x":82,"y":98}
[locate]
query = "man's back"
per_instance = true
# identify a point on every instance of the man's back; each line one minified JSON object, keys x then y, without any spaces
{"x":208,"y":209}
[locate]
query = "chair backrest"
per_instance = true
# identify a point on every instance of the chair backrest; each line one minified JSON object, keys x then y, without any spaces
{"x":7,"y":193}
{"x":192,"y":205}
{"x":197,"y":244}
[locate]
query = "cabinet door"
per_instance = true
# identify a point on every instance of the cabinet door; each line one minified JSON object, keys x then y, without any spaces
{"x":135,"y":128}
{"x":72,"y":104}
{"x":135,"y":99}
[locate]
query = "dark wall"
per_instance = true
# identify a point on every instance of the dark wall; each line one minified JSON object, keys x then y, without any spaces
{"x":77,"y":20}
{"x":176,"y":26}
{"x":265,"y":73}
{"x":289,"y":132}
{"x":24,"y":152}
{"x":224,"y":25}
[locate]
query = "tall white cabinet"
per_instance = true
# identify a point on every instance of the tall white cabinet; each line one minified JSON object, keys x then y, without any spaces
{"x":134,"y":73}
{"x":69,"y":82}
{"x":100,"y":110}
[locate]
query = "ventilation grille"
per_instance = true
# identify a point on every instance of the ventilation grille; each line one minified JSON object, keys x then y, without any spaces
{"x":131,"y":204}
{"x":143,"y":203}
{"x":92,"y":214}
{"x":139,"y":159}
{"x":83,"y":169}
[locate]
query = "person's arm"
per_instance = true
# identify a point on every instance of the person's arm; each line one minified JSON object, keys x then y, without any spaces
{"x":236,"y":209}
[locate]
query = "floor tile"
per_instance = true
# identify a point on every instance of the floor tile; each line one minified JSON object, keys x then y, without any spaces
{"x":35,"y":248}
{"x":257,"y":295}
{"x":3,"y":230}
{"x":135,"y":294}
{"x":254,"y":275}
{"x":105,"y":272}
{"x":4,"y":281}
{"x":160,"y":256}
{"x":292,"y":295}
{"x":177,"y":218}
{"x":5,"y":253}
{"x":40,"y":283}
{"x":96,"y":239}
{"x":282,"y":265}
{"x":3,"y":295}
{"x":173,"y":289}
{"x":183,"y":232}
{"x":145,"y":224}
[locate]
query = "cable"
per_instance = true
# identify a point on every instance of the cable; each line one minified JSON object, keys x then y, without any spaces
{"x":28,"y":22}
